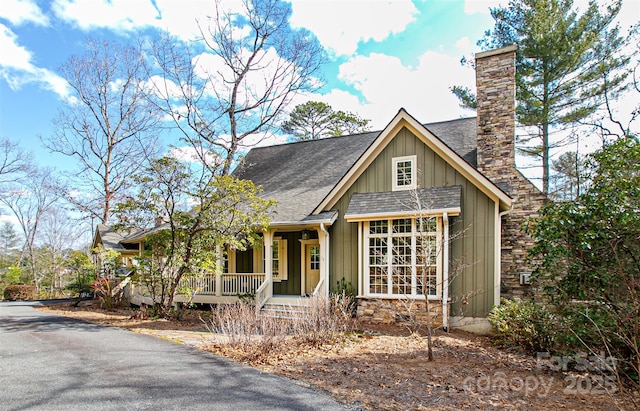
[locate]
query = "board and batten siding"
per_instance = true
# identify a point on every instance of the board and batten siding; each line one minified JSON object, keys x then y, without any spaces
{"x":472,"y":256}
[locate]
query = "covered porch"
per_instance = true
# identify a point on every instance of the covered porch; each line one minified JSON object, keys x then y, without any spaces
{"x":291,"y":263}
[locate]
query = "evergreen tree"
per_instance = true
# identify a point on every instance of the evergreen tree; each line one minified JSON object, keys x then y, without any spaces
{"x":314,"y":120}
{"x":567,"y":63}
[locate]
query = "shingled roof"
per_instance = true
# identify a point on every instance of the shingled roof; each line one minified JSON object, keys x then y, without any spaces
{"x":300,"y":175}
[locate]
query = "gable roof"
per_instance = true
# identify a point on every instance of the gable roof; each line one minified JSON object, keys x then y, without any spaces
{"x":303,"y":177}
{"x":109,"y":238}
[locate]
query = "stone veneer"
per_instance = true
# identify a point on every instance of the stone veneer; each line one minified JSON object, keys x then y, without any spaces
{"x":495,"y":84}
{"x":398,"y":311}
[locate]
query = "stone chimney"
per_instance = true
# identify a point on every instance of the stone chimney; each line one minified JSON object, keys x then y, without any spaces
{"x":496,"y":96}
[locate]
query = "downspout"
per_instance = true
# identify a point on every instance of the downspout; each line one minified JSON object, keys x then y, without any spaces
{"x":445,"y":273}
{"x":326,"y":247}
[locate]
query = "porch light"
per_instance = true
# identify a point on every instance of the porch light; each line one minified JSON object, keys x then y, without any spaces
{"x":306,"y":234}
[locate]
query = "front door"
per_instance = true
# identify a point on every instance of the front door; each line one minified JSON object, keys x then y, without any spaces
{"x":312,"y":267}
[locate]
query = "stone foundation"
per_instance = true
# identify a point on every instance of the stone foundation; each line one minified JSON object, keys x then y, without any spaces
{"x":398,"y":311}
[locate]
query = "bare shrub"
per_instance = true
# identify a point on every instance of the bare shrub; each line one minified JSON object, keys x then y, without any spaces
{"x":322,"y":320}
{"x":243,"y":329}
{"x":325,"y":319}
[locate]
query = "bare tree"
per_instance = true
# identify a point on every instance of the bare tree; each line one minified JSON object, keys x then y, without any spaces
{"x":29,"y":199}
{"x":57,"y":236}
{"x":225,"y":91}
{"x":108,"y":127}
{"x":14,"y":161}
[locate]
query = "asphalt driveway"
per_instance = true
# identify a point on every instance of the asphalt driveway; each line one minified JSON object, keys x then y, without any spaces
{"x":49,"y":362}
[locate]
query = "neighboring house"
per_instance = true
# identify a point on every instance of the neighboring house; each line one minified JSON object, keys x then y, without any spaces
{"x":347,"y":211}
{"x":112,"y":240}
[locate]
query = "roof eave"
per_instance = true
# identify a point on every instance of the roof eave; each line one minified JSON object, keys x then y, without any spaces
{"x":452,"y":211}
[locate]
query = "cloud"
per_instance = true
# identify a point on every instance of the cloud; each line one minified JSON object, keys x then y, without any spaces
{"x":118,"y":15}
{"x":341,"y":25}
{"x":481,"y":6}
{"x":422,"y":90}
{"x":20,"y":12}
{"x":180,"y":18}
{"x":464,"y":44}
{"x":17,"y":68}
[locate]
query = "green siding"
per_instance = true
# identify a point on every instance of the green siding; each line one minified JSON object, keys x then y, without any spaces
{"x":292,"y":285}
{"x":473,"y":243}
{"x":244,"y":261}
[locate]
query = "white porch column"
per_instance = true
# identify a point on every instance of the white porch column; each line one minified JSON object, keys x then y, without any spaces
{"x":220,"y":261}
{"x":323,"y":239}
{"x":268,"y":255}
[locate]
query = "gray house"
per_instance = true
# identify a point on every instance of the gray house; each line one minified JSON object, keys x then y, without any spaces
{"x":412,"y":210}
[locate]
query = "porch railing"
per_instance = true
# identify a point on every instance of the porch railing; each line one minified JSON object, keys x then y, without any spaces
{"x":229,"y":284}
{"x":262,"y":295}
{"x":316,"y":290}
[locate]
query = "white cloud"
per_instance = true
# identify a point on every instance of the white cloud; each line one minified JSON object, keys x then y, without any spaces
{"x":118,"y":15}
{"x":480,"y":6}
{"x":179,"y":18}
{"x":341,"y":25}
{"x":13,"y":55}
{"x":422,"y":90}
{"x":23,"y":11}
{"x":464,"y":44}
{"x":17,"y":68}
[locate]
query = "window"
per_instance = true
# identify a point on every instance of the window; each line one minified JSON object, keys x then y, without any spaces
{"x":402,"y":256}
{"x":404,"y":173}
{"x":279,"y":259}
{"x":314,"y":257}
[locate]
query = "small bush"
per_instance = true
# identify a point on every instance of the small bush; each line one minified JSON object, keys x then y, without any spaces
{"x":525,"y":324}
{"x":17,"y":292}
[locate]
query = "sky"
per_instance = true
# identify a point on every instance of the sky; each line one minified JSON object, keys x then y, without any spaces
{"x":384,"y":55}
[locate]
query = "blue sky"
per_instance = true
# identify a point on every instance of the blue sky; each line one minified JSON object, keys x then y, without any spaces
{"x":384,"y":54}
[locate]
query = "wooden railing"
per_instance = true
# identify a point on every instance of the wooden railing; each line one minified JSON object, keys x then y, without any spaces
{"x":240,"y":284}
{"x":318,"y":287}
{"x":204,"y":285}
{"x":229,"y":284}
{"x":263,"y":293}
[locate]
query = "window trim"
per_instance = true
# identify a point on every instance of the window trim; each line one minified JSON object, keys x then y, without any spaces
{"x":413,"y":159}
{"x":282,"y":259}
{"x":389,"y":238}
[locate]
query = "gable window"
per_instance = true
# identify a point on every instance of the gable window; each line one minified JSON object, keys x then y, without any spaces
{"x":402,"y":257}
{"x":404,"y":173}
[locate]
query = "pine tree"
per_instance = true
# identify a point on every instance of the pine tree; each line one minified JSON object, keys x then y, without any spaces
{"x":564,"y":60}
{"x":314,"y":120}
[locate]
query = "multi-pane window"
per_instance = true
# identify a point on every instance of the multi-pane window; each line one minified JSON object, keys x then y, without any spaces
{"x":404,"y":173}
{"x":402,"y":256}
{"x":314,"y":257}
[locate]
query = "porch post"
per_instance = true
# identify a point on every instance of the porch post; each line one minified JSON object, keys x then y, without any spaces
{"x":268,"y":256}
{"x":323,"y":239}
{"x":219,"y":271}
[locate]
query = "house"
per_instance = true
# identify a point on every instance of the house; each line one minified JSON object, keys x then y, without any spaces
{"x":411,"y":210}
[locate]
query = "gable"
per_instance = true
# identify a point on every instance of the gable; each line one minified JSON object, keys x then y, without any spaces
{"x":306,"y":178}
{"x":405,"y":136}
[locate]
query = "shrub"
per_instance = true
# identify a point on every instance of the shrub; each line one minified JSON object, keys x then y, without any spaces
{"x":525,"y":324}
{"x":255,"y":335}
{"x":18,"y":292}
